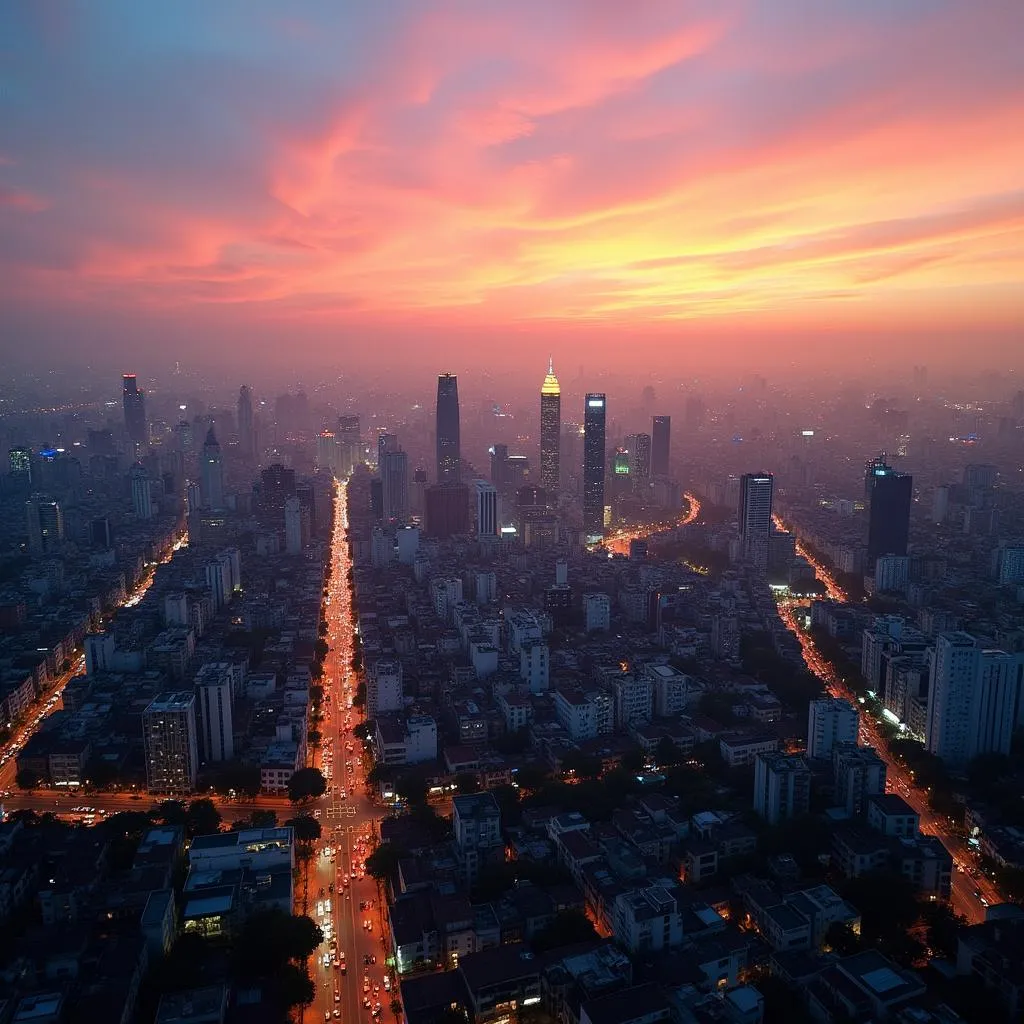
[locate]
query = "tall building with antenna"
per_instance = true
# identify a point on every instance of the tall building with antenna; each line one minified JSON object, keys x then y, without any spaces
{"x":134,"y":400}
{"x":550,"y":431}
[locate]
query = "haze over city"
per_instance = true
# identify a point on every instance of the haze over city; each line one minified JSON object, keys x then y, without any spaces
{"x":512,"y":513}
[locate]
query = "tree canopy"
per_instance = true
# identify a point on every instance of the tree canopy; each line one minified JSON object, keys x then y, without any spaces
{"x":306,"y":828}
{"x":201,"y":818}
{"x":306,"y":784}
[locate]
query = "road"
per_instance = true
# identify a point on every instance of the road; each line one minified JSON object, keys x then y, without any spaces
{"x":618,"y":543}
{"x":348,"y":819}
{"x":50,"y":701}
{"x":898,"y":779}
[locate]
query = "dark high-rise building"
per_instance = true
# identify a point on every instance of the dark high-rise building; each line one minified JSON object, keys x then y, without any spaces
{"x":134,"y":401}
{"x":499,"y":465}
{"x":385,"y":443}
{"x":19,"y":461}
{"x":349,"y":443}
{"x":211,"y":477}
{"x":550,"y":430}
{"x":661,"y":431}
{"x":447,"y":510}
{"x":394,"y":477}
{"x":449,"y":451}
{"x":594,"y":415}
{"x":306,"y":494}
{"x":277,"y":485}
{"x":45,"y":524}
{"x":246,"y":434}
{"x":755,"y":511}
{"x":888,"y":494}
{"x":99,"y":533}
{"x":639,"y":462}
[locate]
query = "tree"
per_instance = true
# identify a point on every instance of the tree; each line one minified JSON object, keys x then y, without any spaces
{"x":169,"y":812}
{"x":306,"y":784}
{"x":126,"y":824}
{"x":202,"y":818}
{"x":294,"y":985}
{"x":513,"y":742}
{"x":271,"y":938}
{"x":100,"y":772}
{"x":383,"y":862}
{"x":395,"y":1006}
{"x":313,"y":738}
{"x":320,"y":650}
{"x":841,"y":938}
{"x":316,"y":695}
{"x":359,"y":697}
{"x":306,"y":829}
{"x":236,"y":776}
{"x":633,"y":759}
{"x":887,"y":904}
{"x":264,"y":819}
{"x":361,"y":730}
{"x":567,"y":928}
{"x":380,"y":773}
{"x":27,"y":778}
{"x":466,"y":782}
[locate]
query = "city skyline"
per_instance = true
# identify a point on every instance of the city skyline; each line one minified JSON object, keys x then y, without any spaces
{"x":521,"y":171}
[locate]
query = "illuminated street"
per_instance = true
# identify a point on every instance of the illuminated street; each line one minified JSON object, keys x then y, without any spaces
{"x":347,"y":818}
{"x":898,"y":779}
{"x":41,"y":709}
{"x":618,"y":542}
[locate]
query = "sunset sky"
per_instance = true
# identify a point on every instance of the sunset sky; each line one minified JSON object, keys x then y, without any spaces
{"x":233,"y":172}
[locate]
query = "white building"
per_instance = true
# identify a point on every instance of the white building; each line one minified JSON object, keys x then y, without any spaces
{"x":534,"y":665}
{"x":892,"y":572}
{"x":485,"y":505}
{"x":255,"y":848}
{"x":974,"y":698}
{"x":517,"y":711}
{"x":293,"y":525}
{"x":647,"y":920}
{"x":483,"y":656}
{"x":215,"y":701}
{"x":523,"y":629}
{"x":674,"y":691}
{"x":597,"y":612}
{"x":445,"y":592}
{"x":782,"y":787}
{"x":401,"y":741}
{"x":632,"y":700}
{"x":486,"y":587}
{"x":384,"y":687}
{"x":577,"y":714}
{"x":169,"y":738}
{"x":830,"y":720}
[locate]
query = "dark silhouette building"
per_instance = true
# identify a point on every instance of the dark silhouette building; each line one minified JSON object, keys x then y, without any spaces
{"x":134,"y":400}
{"x":447,"y":510}
{"x":449,"y":452}
{"x":661,"y":431}
{"x":246,"y":431}
{"x":277,"y":485}
{"x":888,"y":494}
{"x":594,"y":415}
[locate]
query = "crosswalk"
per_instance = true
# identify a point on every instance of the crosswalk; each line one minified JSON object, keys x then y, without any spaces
{"x":336,"y":811}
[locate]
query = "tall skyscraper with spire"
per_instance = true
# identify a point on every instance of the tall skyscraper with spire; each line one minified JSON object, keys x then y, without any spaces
{"x":449,"y":451}
{"x":211,"y":485}
{"x":550,"y":431}
{"x":134,"y":400}
{"x":246,"y":437}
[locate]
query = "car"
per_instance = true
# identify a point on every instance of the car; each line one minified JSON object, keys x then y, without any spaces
{"x":327,"y":1014}
{"x":337,"y":1013}
{"x":387,"y":982}
{"x":366,"y":986}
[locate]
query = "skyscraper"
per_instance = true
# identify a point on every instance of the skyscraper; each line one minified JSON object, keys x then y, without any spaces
{"x":550,"y":430}
{"x":888,"y":494}
{"x":277,"y":483}
{"x":385,"y":443}
{"x":486,"y":496}
{"x":349,"y":442}
{"x":211,"y":472}
{"x":755,"y":517}
{"x":449,"y":452}
{"x":293,"y":525}
{"x":661,"y":431}
{"x":19,"y":461}
{"x":142,"y":492}
{"x":755,"y":512}
{"x":246,"y":436}
{"x":639,"y":450}
{"x":134,"y":401}
{"x":394,"y":476}
{"x":593,"y":465}
{"x":45,"y":521}
{"x":447,"y":510}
